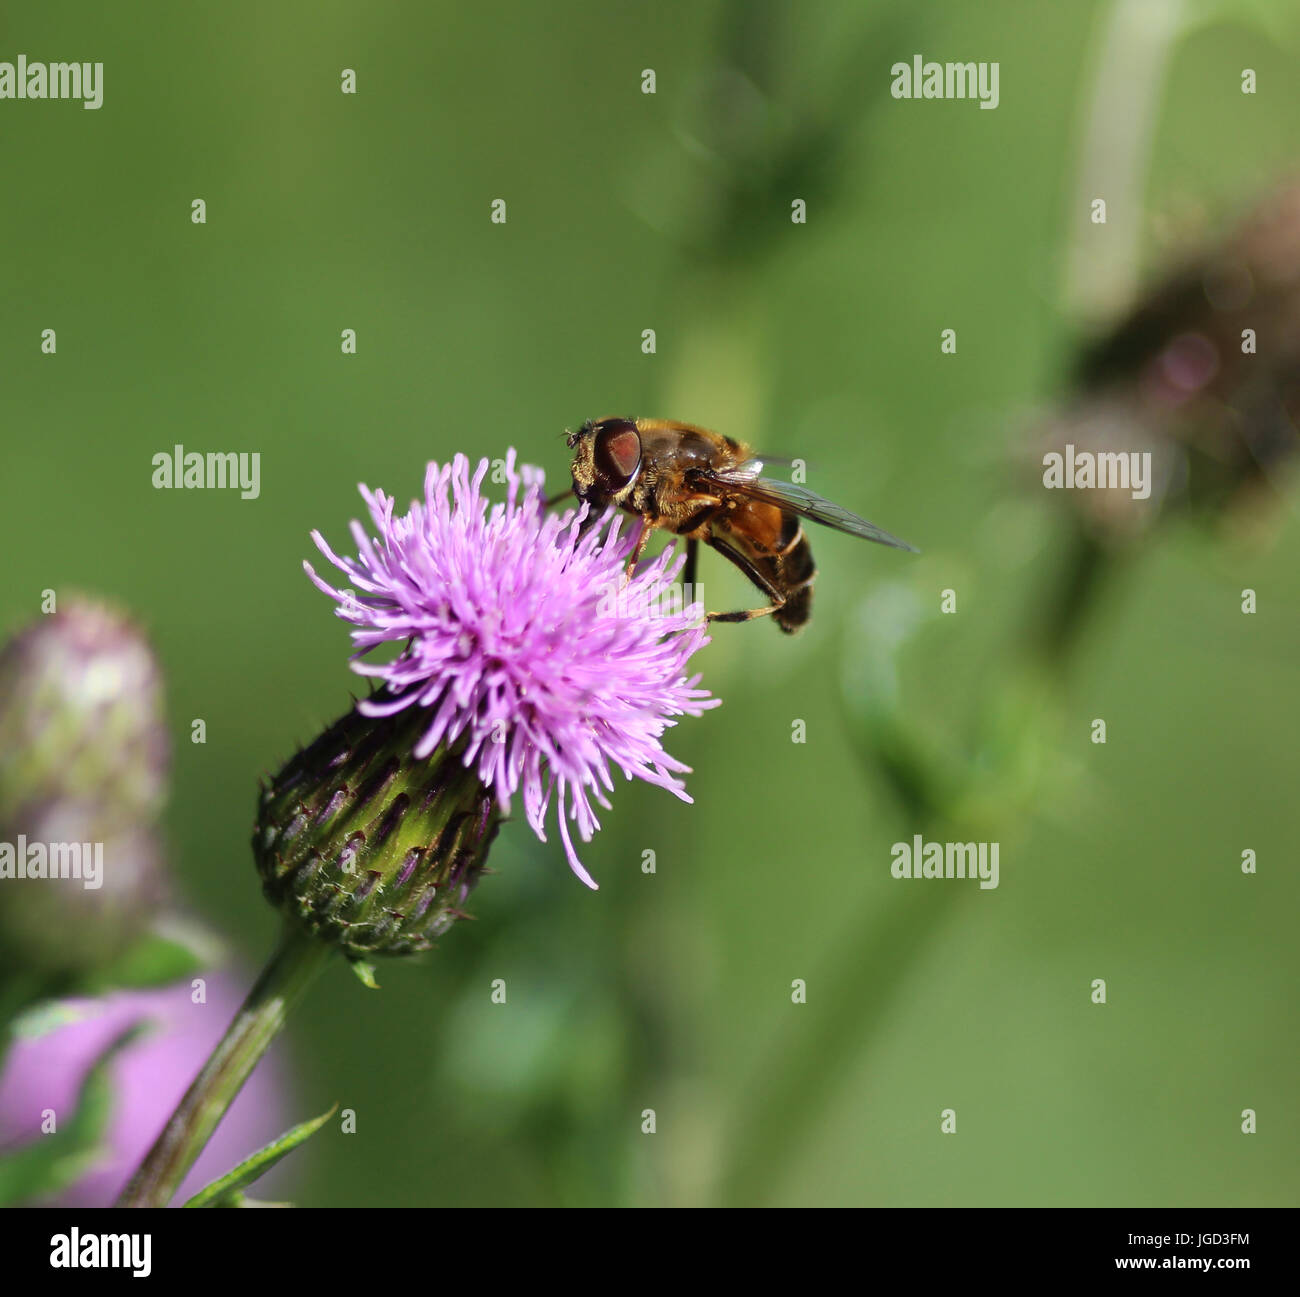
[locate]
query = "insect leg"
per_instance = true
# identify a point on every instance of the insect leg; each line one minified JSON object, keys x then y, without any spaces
{"x":642,"y":540}
{"x":692,"y":558}
{"x":757,"y":577}
{"x":744,"y":614}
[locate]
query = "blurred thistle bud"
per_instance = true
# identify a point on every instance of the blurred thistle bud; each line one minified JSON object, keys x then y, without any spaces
{"x":83,"y":769}
{"x":81,"y":715}
{"x":514,"y":678}
{"x":1203,"y":376}
{"x":101,"y":887}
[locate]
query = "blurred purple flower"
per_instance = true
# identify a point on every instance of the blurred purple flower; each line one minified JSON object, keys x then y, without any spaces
{"x":523,"y":641}
{"x":149,"y":1077}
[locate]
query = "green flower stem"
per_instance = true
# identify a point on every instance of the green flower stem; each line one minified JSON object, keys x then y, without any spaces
{"x":1133,"y":50}
{"x":875,"y":951}
{"x":291,"y":970}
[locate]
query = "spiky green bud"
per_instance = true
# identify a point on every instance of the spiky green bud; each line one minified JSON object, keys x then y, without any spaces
{"x":369,"y":848}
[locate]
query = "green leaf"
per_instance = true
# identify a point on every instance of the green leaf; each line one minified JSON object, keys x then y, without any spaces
{"x":171,"y":951}
{"x":46,"y":1016}
{"x":227,"y":1191}
{"x":53,"y":1162}
{"x":19,"y":992}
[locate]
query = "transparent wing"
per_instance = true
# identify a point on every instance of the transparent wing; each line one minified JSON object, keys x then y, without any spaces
{"x":744,"y":480}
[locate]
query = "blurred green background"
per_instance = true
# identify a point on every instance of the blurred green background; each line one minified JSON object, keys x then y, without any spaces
{"x":671,"y":212}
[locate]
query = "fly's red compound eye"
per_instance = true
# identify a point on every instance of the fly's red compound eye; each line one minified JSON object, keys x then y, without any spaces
{"x":617,"y":453}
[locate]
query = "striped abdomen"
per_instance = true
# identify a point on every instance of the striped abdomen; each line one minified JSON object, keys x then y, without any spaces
{"x":797,"y":570}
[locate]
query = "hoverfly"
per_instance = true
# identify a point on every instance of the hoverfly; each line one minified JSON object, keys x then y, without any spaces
{"x":707,"y":487}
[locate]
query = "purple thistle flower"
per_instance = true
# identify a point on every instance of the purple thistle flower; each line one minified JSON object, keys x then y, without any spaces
{"x":524,"y":641}
{"x":46,"y":1070}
